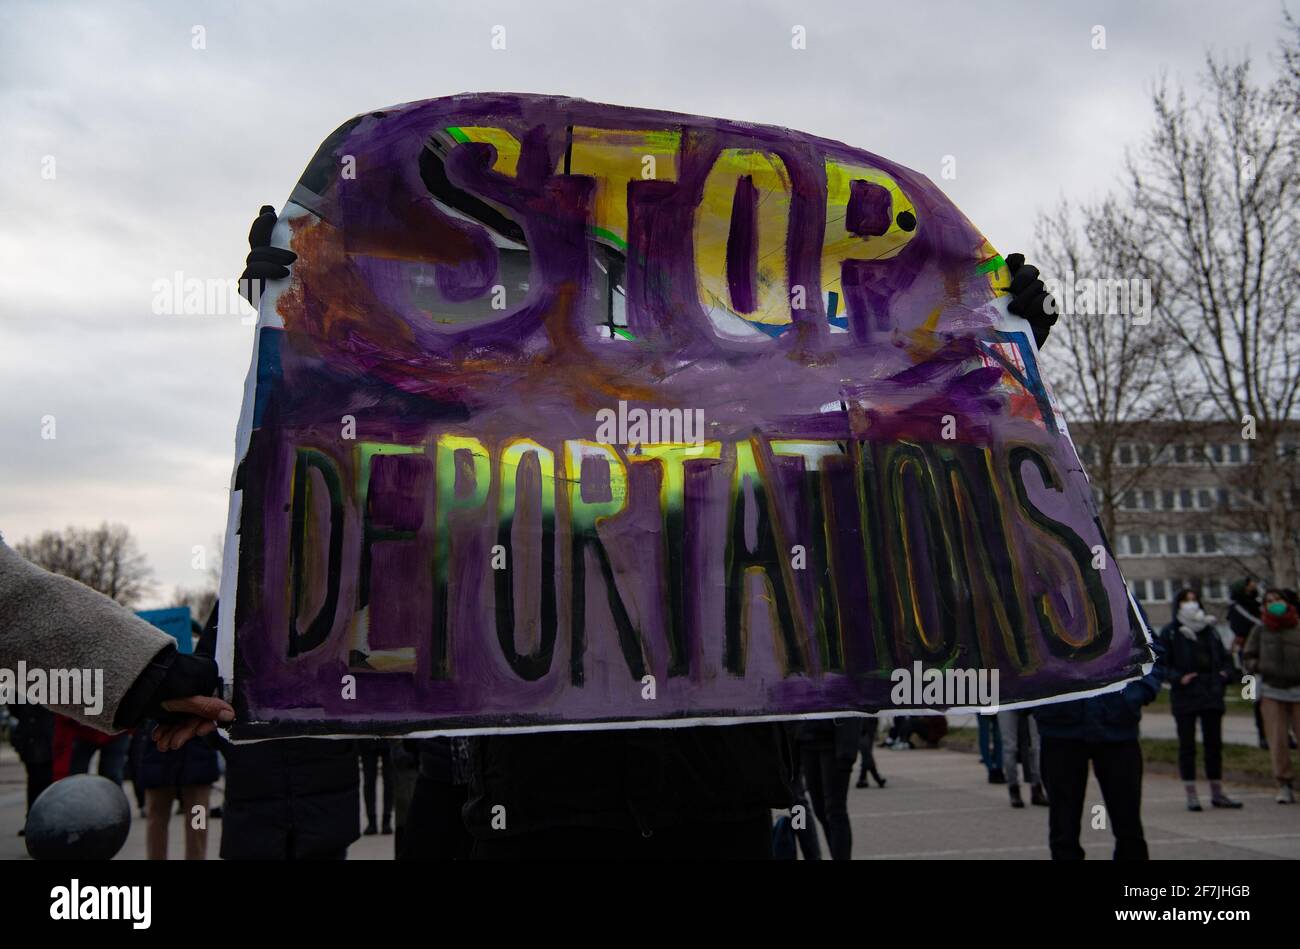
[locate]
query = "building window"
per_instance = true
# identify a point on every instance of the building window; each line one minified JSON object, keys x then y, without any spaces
{"x":1126,"y":454}
{"x":1168,"y":500}
{"x":1191,"y":543}
{"x":1148,"y":500}
{"x":1171,"y":544}
{"x":1158,"y":589}
{"x":1185,"y":499}
{"x":1209,"y":544}
{"x":1234,"y":454}
{"x":1134,"y":544}
{"x":1204,"y":499}
{"x":1180,"y":454}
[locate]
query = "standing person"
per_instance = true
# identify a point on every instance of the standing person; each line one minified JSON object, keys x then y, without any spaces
{"x":55,"y":622}
{"x":1101,"y":730}
{"x":34,"y":742}
{"x":702,"y":792}
{"x":76,"y":744}
{"x":288,"y":799}
{"x":1273,"y":653}
{"x":827,"y":749}
{"x":375,"y":752}
{"x":134,"y":759}
{"x":866,"y":745}
{"x":1243,"y":617}
{"x":990,"y":745}
{"x":1011,"y":723}
{"x":186,"y":775}
{"x":435,"y":829}
{"x":1199,"y":670}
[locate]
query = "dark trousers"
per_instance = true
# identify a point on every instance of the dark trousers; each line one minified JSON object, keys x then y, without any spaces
{"x":866,"y":745}
{"x":806,"y":833}
{"x":1211,"y":735}
{"x":39,"y":776}
{"x":435,"y":829}
{"x":748,"y":839}
{"x":990,"y":742}
{"x":1118,"y":767}
{"x":827,"y":777}
{"x":112,"y":757}
{"x":372,"y":753}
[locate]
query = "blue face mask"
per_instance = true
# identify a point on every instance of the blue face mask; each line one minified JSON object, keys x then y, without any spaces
{"x":1277,"y":608}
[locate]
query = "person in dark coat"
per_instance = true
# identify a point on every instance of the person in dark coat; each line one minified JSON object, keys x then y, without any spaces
{"x":376,"y":757}
{"x":703,"y":792}
{"x":186,"y":775}
{"x":1101,"y":731}
{"x":867,"y":747}
{"x":1199,"y":670}
{"x":33,"y":739}
{"x":290,"y":799}
{"x":1244,"y":611}
{"x":435,"y":828}
{"x":827,"y":750}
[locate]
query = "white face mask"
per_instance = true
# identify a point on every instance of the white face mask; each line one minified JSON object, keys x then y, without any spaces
{"x":1190,"y":614}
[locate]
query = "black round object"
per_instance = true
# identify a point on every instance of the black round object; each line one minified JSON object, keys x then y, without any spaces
{"x":82,"y":817}
{"x":906,"y":220}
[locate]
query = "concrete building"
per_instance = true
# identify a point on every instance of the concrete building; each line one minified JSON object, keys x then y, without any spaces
{"x":1190,"y":507}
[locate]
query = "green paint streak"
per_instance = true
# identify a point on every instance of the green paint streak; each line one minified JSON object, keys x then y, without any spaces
{"x":457,"y":134}
{"x":611,"y":237}
{"x":992,"y":264}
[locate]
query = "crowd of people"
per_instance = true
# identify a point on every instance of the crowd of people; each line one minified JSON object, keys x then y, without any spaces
{"x":694,"y":792}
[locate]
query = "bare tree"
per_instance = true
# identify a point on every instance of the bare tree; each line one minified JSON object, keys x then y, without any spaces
{"x":1214,"y":194}
{"x":105,"y":558}
{"x":1108,"y":365}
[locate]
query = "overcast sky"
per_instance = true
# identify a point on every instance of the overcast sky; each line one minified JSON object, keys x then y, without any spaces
{"x":163,"y":153}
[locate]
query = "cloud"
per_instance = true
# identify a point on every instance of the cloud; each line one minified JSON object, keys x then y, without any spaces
{"x":163,"y":154}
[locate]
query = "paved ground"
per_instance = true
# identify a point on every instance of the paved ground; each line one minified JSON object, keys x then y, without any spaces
{"x":936,"y":805}
{"x":1237,"y":729}
{"x":1159,"y":723}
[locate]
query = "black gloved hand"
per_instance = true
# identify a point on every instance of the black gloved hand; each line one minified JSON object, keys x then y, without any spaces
{"x":264,"y":261}
{"x":1030,"y":299}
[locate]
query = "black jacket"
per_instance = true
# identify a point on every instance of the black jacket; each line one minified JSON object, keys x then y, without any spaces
{"x":1109,"y":717}
{"x":33,"y":739}
{"x":637,"y":778}
{"x":1207,"y":658}
{"x":291,"y":799}
{"x":1243,"y":612}
{"x":195,"y":762}
{"x":840,"y":735}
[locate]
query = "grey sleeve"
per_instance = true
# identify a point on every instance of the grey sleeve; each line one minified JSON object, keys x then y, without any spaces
{"x":57,"y":626}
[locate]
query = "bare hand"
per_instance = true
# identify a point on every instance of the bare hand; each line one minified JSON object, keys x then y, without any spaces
{"x":1188,"y":678}
{"x":202,"y":714}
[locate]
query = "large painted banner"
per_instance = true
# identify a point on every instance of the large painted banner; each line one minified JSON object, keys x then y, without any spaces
{"x":573,"y":415}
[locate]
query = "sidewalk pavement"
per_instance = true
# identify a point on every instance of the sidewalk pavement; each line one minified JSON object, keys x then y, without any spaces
{"x":937,"y":804}
{"x":1159,"y":723}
